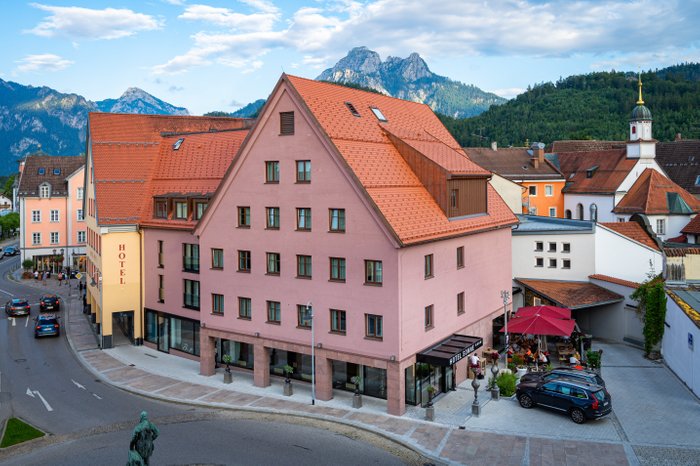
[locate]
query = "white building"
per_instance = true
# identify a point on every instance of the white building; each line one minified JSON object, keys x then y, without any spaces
{"x":682,"y":336}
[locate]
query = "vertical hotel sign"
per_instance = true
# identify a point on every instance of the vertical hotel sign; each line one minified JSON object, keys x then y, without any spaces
{"x":122,"y":260}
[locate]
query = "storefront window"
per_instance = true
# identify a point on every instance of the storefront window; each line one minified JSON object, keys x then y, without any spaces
{"x":410,"y":375}
{"x":151,"y":327}
{"x":241,"y":353}
{"x":182,"y":336}
{"x":374,"y":382}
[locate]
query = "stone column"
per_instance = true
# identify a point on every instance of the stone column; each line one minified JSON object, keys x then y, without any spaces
{"x":206,"y":353}
{"x":324,"y":378}
{"x":261,"y":372}
{"x":395,"y":389}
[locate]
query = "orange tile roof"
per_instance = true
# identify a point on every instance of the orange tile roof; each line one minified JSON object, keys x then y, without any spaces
{"x":612,"y":168}
{"x":126,"y":150}
{"x":366,"y":145}
{"x":617,"y":281}
{"x":682,"y":252}
{"x":650,"y":195}
{"x":574,"y":295}
{"x":633,"y":230}
{"x":693,"y":227}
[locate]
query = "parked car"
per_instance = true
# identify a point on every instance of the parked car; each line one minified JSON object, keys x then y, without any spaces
{"x":580,"y":400}
{"x":568,"y":372}
{"x":49,"y":302}
{"x":18,"y":307}
{"x":46,"y":325}
{"x":11,"y":251}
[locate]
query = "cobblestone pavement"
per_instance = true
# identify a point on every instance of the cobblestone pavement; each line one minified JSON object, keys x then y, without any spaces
{"x":655,"y":421}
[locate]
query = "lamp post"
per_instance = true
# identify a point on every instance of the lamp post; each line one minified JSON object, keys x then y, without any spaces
{"x":505,"y":295}
{"x":310,"y":315}
{"x":62,"y":258}
{"x":476,"y":407}
{"x":53,"y":262}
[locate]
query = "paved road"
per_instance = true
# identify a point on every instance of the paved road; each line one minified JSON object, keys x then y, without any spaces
{"x":90,"y":422}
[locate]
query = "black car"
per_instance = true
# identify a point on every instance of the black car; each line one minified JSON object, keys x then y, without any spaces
{"x":18,"y":307}
{"x":46,"y":325}
{"x":11,"y":251}
{"x":49,"y":302}
{"x":579,"y":400}
{"x":570,"y":373}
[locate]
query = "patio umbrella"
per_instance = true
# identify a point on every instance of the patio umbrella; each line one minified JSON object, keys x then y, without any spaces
{"x":539,"y":324}
{"x":547,"y":311}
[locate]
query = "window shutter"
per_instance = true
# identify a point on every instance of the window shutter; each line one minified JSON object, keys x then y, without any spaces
{"x":286,"y":123}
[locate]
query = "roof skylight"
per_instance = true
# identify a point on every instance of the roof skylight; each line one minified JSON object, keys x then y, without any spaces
{"x":352,"y":109}
{"x":42,"y":171}
{"x":378,"y":113}
{"x":178,"y":143}
{"x":56,"y":171}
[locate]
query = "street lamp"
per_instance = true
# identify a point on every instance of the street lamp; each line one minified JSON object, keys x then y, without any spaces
{"x":53,"y":262}
{"x":62,"y":258}
{"x":310,"y":315}
{"x":505,"y":295}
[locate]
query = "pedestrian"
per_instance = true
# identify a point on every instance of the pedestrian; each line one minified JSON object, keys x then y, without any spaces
{"x":36,"y":275}
{"x":60,"y":278}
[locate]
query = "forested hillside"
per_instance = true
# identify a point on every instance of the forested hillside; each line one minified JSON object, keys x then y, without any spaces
{"x":592,"y":106}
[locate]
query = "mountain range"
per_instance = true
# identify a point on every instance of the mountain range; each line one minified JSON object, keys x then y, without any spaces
{"x":33,"y":118}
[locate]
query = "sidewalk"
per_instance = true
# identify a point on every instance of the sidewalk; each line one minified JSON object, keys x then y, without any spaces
{"x":503,"y":434}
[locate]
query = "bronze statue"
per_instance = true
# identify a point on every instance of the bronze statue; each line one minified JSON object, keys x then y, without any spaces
{"x":141,"y":446}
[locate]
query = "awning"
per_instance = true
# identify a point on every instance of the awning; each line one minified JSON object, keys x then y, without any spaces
{"x":450,"y":350}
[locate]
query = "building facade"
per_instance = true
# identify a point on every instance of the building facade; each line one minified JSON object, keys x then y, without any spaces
{"x":52,"y":224}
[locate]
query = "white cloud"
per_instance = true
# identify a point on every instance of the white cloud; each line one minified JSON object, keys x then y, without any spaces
{"x":508,"y":92}
{"x":79,"y":22}
{"x":445,"y":28}
{"x":42,"y":62}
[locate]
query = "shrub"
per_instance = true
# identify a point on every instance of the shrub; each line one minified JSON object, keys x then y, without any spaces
{"x":27,"y":264}
{"x":518,"y":360}
{"x":593,"y":359}
{"x":506,"y":384}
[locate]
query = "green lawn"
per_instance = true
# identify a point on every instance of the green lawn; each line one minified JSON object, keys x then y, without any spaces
{"x":18,"y":432}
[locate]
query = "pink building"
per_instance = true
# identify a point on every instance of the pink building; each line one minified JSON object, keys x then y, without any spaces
{"x":356,"y":220}
{"x":52,"y":226}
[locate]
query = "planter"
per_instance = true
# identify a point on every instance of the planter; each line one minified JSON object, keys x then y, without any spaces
{"x":521,"y":371}
{"x":430,"y":413}
{"x":288,"y":391}
{"x":228,"y":377}
{"x":357,"y":401}
{"x":495,"y":393}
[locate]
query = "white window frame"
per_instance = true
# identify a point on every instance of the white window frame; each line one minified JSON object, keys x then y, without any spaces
{"x":552,"y":211}
{"x":55,"y":237}
{"x":55,"y":216}
{"x":36,"y":238}
{"x":660,"y":226}
{"x":80,"y":215}
{"x":79,"y":195}
{"x":81,"y":236}
{"x":36,"y":216}
{"x":548,"y":190}
{"x":45,"y":190}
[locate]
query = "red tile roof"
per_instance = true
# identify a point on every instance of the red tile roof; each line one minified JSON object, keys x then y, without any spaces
{"x":681,"y":252}
{"x":609,"y":169}
{"x":365,"y":143}
{"x":693,"y":227}
{"x":680,"y":159}
{"x":650,"y":195}
{"x":586,"y":145}
{"x":633,"y":230}
{"x":126,"y":149}
{"x":617,"y":281}
{"x":574,"y":295}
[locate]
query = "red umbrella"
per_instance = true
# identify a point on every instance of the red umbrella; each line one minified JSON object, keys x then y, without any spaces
{"x":538,"y":324}
{"x":546,"y":311}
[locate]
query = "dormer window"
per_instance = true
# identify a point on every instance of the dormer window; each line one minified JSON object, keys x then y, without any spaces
{"x":45,"y":190}
{"x":161,"y":209}
{"x":42,"y":171}
{"x":591,"y":171}
{"x":378,"y":113}
{"x":57,"y":171}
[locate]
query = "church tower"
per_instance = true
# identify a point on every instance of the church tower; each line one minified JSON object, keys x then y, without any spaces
{"x":641,"y":144}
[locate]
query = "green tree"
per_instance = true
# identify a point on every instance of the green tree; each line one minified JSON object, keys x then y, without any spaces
{"x":9,"y":223}
{"x":652,"y":305}
{"x":7,"y":187}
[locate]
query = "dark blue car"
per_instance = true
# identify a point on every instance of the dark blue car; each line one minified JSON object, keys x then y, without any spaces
{"x":47,"y":325}
{"x":580,"y":400}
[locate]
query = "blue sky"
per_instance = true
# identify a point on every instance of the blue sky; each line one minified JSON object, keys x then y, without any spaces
{"x":218,"y":55}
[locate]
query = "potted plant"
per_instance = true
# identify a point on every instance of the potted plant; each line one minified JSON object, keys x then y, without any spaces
{"x":287,"y":381}
{"x":228,"y":377}
{"x":593,"y":359}
{"x":519,"y":362}
{"x":357,"y":397}
{"x":429,"y":408}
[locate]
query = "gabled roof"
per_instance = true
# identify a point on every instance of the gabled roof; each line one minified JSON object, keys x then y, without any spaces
{"x":574,"y":295}
{"x":369,"y":148}
{"x":654,"y":194}
{"x":55,"y":170}
{"x":634,"y":231}
{"x":125,"y":150}
{"x":586,"y":145}
{"x":597,"y":172}
{"x":680,"y":159}
{"x":693,"y":227}
{"x":616,"y":281}
{"x":514,"y":163}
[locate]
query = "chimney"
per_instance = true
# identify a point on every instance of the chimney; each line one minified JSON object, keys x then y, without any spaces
{"x":538,"y":152}
{"x":536,"y":162}
{"x":678,"y":136}
{"x":494,"y":146}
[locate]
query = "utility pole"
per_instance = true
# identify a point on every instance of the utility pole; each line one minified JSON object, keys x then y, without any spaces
{"x":310,"y":314}
{"x":505,"y":295}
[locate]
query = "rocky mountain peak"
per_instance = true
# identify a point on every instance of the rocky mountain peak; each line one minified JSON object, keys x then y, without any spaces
{"x":360,"y":59}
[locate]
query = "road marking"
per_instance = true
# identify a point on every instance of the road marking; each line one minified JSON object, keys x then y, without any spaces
{"x":46,"y":404}
{"x":14,"y":324}
{"x":26,"y":322}
{"x":97,"y":396}
{"x":6,"y":292}
{"x":77,"y":384}
{"x":29,"y":392}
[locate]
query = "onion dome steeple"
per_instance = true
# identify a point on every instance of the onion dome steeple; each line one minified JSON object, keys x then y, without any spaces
{"x":640,"y":112}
